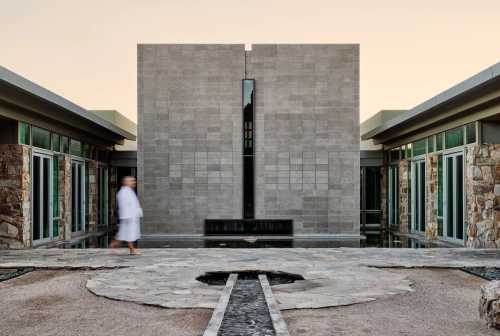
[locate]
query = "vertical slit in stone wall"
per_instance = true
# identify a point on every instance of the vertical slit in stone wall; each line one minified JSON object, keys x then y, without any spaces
{"x":248,"y":149}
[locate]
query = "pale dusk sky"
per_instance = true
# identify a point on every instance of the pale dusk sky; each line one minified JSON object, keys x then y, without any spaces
{"x":410,"y":50}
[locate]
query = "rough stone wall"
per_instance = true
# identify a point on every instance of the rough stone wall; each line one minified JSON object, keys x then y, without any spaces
{"x":384,"y":198}
{"x":483,"y":196}
{"x":65,"y":195}
{"x":307,"y":135}
{"x":403,"y":195}
{"x":15,"y":215}
{"x":92,"y":224}
{"x":113,"y":189}
{"x":431,"y":170}
{"x":189,"y":143}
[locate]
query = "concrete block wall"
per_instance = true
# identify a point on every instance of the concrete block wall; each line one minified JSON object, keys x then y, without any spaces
{"x":307,"y":135}
{"x":189,"y":141}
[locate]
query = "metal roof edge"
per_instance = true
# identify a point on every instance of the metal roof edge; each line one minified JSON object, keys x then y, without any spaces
{"x":470,"y":83}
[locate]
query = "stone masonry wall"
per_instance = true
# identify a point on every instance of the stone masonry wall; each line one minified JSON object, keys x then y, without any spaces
{"x":92,"y":166}
{"x":431,"y":170}
{"x":65,"y":192}
{"x":307,"y":135}
{"x":403,"y":195}
{"x":384,"y":198}
{"x":113,"y":189}
{"x":189,"y":136}
{"x":483,"y":196}
{"x":306,"y":128}
{"x":15,"y":215}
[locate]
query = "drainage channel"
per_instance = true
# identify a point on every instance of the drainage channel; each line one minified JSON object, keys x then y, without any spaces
{"x":247,"y":307}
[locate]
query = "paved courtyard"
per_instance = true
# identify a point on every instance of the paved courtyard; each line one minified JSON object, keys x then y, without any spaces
{"x":404,"y":286}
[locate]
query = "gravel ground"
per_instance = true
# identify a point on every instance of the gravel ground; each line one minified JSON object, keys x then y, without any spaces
{"x":445,"y":302}
{"x":57,"y":303}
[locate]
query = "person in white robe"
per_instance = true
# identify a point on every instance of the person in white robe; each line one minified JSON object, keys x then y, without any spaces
{"x":129,"y":214}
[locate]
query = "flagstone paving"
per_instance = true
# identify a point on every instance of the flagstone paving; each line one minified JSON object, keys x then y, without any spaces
{"x":167,"y":277}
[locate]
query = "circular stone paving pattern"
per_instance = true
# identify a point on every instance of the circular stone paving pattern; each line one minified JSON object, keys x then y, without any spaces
{"x":175,"y":286}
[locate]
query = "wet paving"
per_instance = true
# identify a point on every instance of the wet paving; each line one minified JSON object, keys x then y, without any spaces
{"x":488,"y":273}
{"x":247,"y":313}
{"x":9,"y":273}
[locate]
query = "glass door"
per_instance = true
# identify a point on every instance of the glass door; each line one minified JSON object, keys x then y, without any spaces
{"x":77,"y":197}
{"x":454,"y":196}
{"x":41,"y":192}
{"x":418,"y":205}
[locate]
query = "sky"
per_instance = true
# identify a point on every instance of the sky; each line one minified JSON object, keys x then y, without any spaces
{"x":410,"y":50}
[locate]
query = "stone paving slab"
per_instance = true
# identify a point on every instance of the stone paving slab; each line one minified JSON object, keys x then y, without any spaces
{"x":374,"y":257}
{"x":167,"y":277}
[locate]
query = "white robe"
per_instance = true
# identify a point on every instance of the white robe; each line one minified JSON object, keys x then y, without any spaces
{"x":129,"y":212}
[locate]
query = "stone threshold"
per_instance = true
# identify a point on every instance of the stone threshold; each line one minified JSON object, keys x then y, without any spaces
{"x":279,"y":323}
{"x":218,"y":315}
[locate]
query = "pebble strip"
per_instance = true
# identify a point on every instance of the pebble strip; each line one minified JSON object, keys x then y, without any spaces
{"x":247,"y":313}
{"x":218,"y":315}
{"x":279,"y":323}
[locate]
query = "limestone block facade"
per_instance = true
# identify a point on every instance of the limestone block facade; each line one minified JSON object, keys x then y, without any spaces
{"x":306,"y":135}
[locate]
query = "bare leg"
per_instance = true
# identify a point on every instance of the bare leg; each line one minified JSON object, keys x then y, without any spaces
{"x":132,"y":249}
{"x":115,"y":243}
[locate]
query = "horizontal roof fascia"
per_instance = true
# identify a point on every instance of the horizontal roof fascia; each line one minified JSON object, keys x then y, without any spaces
{"x":475,"y":82}
{"x":26,"y":86}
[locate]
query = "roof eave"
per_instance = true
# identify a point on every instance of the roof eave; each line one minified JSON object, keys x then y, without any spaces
{"x":34,"y":89}
{"x":481,"y":78}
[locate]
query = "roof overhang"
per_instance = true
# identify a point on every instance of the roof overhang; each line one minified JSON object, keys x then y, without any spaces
{"x":458,"y":93}
{"x":64,"y":110}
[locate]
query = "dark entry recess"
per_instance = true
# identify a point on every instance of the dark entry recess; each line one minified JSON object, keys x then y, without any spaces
{"x":248,"y":149}
{"x":241,"y":227}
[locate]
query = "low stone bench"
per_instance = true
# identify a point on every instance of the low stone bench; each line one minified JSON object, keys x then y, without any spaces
{"x":489,"y":304}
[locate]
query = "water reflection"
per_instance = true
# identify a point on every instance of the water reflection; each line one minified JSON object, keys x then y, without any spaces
{"x":389,"y":241}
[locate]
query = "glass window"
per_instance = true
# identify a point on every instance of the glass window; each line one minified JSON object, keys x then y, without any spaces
{"x":439,"y":142}
{"x":403,"y":152}
{"x":471,"y":132}
{"x":86,"y":150}
{"x":430,"y":144}
{"x":24,"y":134}
{"x":56,"y":142}
{"x":75,"y":147}
{"x":409,"y":151}
{"x":40,"y":138}
{"x":394,"y":154}
{"x":454,"y":137}
{"x":372,"y":188}
{"x":65,"y":144}
{"x":419,"y":147}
